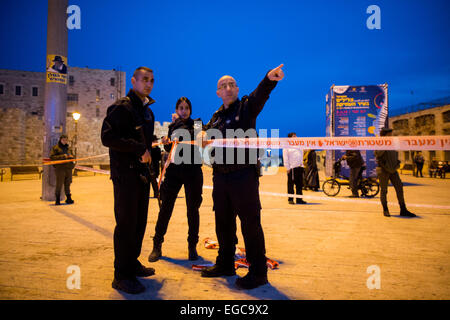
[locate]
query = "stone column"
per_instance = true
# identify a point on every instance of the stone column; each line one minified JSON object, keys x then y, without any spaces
{"x":55,"y":103}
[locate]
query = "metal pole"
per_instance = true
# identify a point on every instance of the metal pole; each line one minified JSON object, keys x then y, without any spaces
{"x":76,"y":138}
{"x":55,"y":104}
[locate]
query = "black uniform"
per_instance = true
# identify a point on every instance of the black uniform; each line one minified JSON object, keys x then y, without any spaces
{"x":178,"y":174}
{"x":128,"y":130}
{"x":236,"y":186}
{"x":63,"y":170}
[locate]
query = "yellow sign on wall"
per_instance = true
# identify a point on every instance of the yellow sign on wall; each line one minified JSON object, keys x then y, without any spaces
{"x":56,"y":69}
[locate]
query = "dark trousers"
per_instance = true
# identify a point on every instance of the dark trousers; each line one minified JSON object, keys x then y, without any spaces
{"x":295,"y":178}
{"x":237,"y":193}
{"x":154,"y":182}
{"x":384,"y":178}
{"x":63,"y":177}
{"x":192,"y":179}
{"x":130,"y":210}
{"x":354,"y":179}
{"x":419,"y":169}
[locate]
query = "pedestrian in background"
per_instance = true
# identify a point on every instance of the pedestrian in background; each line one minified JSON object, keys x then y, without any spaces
{"x":62,"y":151}
{"x":293,"y":162}
{"x":387,"y":165}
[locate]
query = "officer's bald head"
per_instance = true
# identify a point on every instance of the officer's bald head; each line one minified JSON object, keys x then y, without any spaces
{"x":227,"y":90}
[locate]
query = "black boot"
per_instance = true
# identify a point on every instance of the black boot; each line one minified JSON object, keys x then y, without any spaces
{"x":251,"y":281}
{"x":218,"y":271}
{"x":193,"y":252}
{"x":132,"y":286}
{"x":57,"y":201}
{"x":69,"y":199}
{"x":405,"y":213}
{"x":156,"y":252}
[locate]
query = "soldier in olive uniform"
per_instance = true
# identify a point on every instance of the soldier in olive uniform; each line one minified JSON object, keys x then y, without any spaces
{"x":388,"y":164}
{"x":62,"y":151}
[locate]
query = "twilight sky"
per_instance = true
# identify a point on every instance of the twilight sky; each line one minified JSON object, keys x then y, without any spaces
{"x":191,"y":44}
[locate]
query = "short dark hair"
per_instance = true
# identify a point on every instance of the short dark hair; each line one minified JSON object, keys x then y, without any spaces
{"x":185,"y":100}
{"x":143,"y":69}
{"x":291,"y":134}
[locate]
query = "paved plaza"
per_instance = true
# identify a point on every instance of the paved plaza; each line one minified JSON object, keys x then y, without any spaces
{"x":326,"y":249}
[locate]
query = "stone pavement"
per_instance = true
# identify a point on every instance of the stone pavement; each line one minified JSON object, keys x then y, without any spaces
{"x":326,"y":249}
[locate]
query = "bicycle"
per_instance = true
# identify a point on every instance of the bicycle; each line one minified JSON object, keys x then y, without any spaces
{"x":369,"y":187}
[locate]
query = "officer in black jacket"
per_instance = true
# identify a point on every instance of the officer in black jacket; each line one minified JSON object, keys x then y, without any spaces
{"x":236,"y":182}
{"x":61,"y":151}
{"x":128,"y":130}
{"x":185,"y":170}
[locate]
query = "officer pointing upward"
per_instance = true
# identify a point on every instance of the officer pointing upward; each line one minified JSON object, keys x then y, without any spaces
{"x":235,"y":185}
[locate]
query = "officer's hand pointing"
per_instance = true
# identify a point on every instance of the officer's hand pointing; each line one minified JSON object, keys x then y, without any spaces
{"x":276,"y":74}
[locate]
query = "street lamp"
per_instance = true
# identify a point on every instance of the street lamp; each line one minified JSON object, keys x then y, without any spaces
{"x":76,"y":116}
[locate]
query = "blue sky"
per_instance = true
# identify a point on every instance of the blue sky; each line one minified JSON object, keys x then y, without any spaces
{"x":190,"y":44}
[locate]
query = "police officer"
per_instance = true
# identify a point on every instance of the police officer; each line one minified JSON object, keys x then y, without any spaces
{"x":62,"y":151}
{"x":236,"y":184}
{"x":128,"y":130}
{"x":185,"y":170}
{"x":387,"y":165}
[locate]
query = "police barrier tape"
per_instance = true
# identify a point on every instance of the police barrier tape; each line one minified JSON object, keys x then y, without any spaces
{"x":288,"y":195}
{"x":404,"y":143}
{"x":338,"y":143}
{"x":49,"y":162}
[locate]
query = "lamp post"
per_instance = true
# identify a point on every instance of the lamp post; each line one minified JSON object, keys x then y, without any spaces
{"x":76,"y":116}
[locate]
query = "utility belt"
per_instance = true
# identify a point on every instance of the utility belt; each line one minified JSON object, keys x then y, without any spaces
{"x":141,"y":169}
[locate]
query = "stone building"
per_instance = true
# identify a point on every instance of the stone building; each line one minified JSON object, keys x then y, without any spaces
{"x":430,"y":118}
{"x":89,"y":92}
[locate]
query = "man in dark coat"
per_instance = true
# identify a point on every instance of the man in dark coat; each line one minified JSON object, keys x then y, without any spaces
{"x":127,"y":131}
{"x":236,"y":182}
{"x":388,"y":163}
{"x":62,"y":151}
{"x":355,"y":162}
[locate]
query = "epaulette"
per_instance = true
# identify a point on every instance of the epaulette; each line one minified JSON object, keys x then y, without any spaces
{"x":123,"y":100}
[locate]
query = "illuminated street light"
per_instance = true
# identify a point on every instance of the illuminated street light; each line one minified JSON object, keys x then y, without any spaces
{"x":76,"y":116}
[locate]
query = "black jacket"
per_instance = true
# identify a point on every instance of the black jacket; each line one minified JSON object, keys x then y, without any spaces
{"x":241,"y":114}
{"x":127,"y":131}
{"x":354,"y":159}
{"x":188,"y":125}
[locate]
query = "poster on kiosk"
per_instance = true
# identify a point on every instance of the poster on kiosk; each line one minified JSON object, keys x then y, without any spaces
{"x":355,"y":111}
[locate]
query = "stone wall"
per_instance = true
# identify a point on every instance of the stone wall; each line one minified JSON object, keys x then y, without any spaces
{"x":90,"y":92}
{"x":433,"y":121}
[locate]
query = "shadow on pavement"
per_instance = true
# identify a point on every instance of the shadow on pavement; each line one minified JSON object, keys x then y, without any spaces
{"x":265,"y":292}
{"x":83,"y":222}
{"x":152,"y":288}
